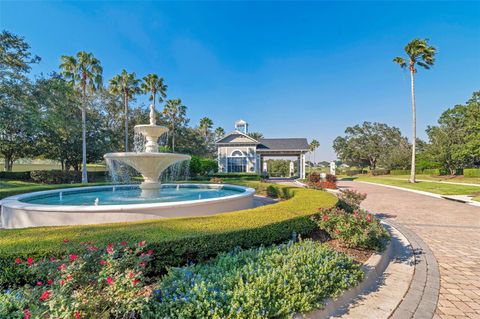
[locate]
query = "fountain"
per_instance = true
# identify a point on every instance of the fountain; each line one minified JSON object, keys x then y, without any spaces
{"x":122,"y":203}
{"x":151,"y":163}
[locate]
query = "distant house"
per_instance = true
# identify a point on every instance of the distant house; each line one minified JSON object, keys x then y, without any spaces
{"x":240,"y":153}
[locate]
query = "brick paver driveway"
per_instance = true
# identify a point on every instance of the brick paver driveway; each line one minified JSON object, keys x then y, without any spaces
{"x":452,"y":231}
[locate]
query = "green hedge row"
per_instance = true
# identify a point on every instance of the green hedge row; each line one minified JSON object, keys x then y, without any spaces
{"x":243,"y":176}
{"x":178,"y":241}
{"x":53,"y":176}
{"x":471,"y":172}
{"x":403,"y":171}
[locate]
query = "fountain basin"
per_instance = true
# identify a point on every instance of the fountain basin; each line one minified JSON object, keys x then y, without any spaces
{"x":76,"y":206}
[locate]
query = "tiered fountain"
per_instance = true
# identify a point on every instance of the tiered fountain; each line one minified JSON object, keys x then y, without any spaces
{"x":122,"y":203}
{"x":150,"y":163}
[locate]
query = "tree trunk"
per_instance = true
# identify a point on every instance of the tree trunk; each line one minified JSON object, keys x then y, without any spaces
{"x":173,"y":138}
{"x":154,"y":94}
{"x":414,"y":126}
{"x":126,"y":121}
{"x":84,"y":138}
{"x":8,"y":166}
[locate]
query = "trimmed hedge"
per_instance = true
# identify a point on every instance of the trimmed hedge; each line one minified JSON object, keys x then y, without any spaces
{"x":471,"y":172}
{"x":177,"y":241}
{"x":20,"y":176}
{"x":352,"y":172}
{"x":380,"y":171}
{"x":53,"y":176}
{"x":403,"y":171}
{"x":433,"y":171}
{"x":243,"y":176}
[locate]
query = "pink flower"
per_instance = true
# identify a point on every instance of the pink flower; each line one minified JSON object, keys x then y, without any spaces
{"x":141,"y":243}
{"x":69,"y":277}
{"x":369,"y":218}
{"x":18,"y":260}
{"x":109,"y":249}
{"x":29,"y":260}
{"x":62,"y":282}
{"x":52,"y":259}
{"x":150,"y":252}
{"x":62,"y":267}
{"x":131,"y":274}
{"x":45,"y":295}
{"x":50,"y":281}
{"x":142,"y":264}
{"x":325,"y":218}
{"x":39,"y":283}
{"x":102,"y":262}
{"x":77,"y":315}
{"x":110,"y":280}
{"x":110,"y":245}
{"x":26,"y":313}
{"x":123,"y":243}
{"x":73,"y":257}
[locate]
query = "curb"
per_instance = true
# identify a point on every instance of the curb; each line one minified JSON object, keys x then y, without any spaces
{"x":468,"y":202}
{"x":372,"y":270}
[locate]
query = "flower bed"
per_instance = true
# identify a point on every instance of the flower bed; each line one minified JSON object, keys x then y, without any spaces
{"x":110,"y":282}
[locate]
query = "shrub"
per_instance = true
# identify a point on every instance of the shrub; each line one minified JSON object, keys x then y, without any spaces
{"x":273,"y":282}
{"x":331,"y":178}
{"x":90,"y":283}
{"x":21,"y":176}
{"x":313,"y":178}
{"x":180,"y":240}
{"x":431,"y":171}
{"x":471,"y":172}
{"x":353,"y":172}
{"x":64,"y":177}
{"x":358,"y":230}
{"x":380,"y":171}
{"x":240,"y":176}
{"x":399,"y":172}
{"x":350,"y":200}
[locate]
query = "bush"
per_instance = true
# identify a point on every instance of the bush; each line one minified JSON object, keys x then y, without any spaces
{"x":380,"y":171}
{"x":357,"y":230}
{"x":471,"y":172}
{"x":179,"y":240}
{"x":313,"y":178}
{"x":331,"y":178}
{"x":241,"y":176}
{"x":353,"y":172}
{"x":64,"y":177}
{"x":400,"y":172}
{"x":90,"y":283}
{"x":21,"y":176}
{"x":350,"y":200}
{"x":273,"y":282}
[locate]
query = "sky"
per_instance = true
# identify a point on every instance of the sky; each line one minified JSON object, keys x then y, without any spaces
{"x":290,"y":69}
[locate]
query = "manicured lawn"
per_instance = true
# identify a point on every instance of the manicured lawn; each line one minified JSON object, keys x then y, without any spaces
{"x":437,"y":188}
{"x":443,"y":178}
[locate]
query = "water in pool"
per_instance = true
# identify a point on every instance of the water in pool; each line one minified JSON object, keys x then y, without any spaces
{"x":124,"y":195}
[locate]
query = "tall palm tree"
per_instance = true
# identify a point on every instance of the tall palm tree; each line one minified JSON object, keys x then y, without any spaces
{"x":419,"y":52}
{"x":84,"y":72}
{"x":152,"y":85}
{"x":314,"y":144}
{"x":219,"y":133}
{"x":127,"y":85}
{"x":175,"y":112}
{"x":205,"y":126}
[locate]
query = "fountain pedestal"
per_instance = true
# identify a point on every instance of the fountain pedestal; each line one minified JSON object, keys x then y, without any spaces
{"x":151,"y":163}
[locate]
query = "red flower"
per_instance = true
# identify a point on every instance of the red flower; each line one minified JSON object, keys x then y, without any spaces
{"x":150,"y":252}
{"x":29,"y":260}
{"x":110,"y":280}
{"x":62,"y":267}
{"x":69,"y":277}
{"x":50,"y":281}
{"x":109,"y":249}
{"x":73,"y":257}
{"x":102,"y":262}
{"x":123,"y":243}
{"x":135,"y":281}
{"x":325,"y":218}
{"x":52,"y":258}
{"x":18,"y":260}
{"x":39,"y":283}
{"x":337,"y":231}
{"x":357,"y":215}
{"x":141,"y":243}
{"x":369,"y":218}
{"x":90,"y":243}
{"x":110,"y":245}
{"x":62,"y":282}
{"x":45,"y":295}
{"x":142,"y":264}
{"x":26,"y":313}
{"x":131,"y":274}
{"x":66,"y":240}
{"x":77,"y":315}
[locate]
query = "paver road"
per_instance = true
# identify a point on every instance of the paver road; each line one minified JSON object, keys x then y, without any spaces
{"x":451,"y":230}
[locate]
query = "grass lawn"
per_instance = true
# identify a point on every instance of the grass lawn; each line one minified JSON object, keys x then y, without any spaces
{"x":443,"y":178}
{"x":437,"y":188}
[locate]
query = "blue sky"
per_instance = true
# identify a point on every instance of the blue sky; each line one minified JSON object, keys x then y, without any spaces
{"x":291,"y":69}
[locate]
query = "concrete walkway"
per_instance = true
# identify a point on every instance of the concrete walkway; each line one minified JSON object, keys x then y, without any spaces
{"x":450,"y":229}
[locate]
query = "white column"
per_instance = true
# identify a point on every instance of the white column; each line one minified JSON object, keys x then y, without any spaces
{"x":303,"y":166}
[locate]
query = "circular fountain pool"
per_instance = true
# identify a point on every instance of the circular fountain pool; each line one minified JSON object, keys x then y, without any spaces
{"x":107,"y":204}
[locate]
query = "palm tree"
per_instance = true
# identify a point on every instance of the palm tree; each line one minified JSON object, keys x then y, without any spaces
{"x":219,"y":133}
{"x":125,"y":84}
{"x":314,"y":144}
{"x":84,"y":72}
{"x":419,"y":52}
{"x":255,"y":135}
{"x":152,"y":85}
{"x":205,"y":125}
{"x":175,"y":113}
